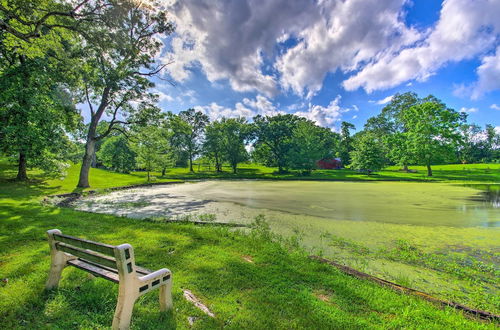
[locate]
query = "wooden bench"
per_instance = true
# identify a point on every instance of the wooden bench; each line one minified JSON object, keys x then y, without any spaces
{"x":113,"y":263}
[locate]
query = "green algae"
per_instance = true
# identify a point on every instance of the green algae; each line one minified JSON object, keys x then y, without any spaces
{"x":439,"y":238}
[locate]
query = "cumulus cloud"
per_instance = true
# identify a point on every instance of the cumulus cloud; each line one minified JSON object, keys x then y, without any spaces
{"x":465,"y":29}
{"x":284,"y":45}
{"x":325,"y":116}
{"x":488,"y":75}
{"x":215,"y":111}
{"x":228,"y":39}
{"x":495,"y":107}
{"x":343,"y":37}
{"x":248,"y":108}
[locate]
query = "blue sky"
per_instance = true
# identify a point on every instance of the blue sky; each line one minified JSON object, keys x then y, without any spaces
{"x":331,"y":61}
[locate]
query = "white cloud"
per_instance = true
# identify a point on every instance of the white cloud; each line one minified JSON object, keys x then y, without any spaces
{"x":229,"y":39}
{"x":243,"y":43}
{"x":384,"y":100}
{"x":215,"y":111}
{"x":468,"y":110}
{"x":495,"y":107}
{"x":163,"y":97}
{"x":488,"y":75}
{"x":325,"y":116}
{"x":465,"y":29}
{"x":262,"y":106}
{"x":248,"y":108}
{"x":343,"y":37}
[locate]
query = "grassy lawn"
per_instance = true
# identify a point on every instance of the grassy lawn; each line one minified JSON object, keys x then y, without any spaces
{"x":441,"y":173}
{"x":247,"y":279}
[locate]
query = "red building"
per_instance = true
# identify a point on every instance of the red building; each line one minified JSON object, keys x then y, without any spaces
{"x":329,"y":164}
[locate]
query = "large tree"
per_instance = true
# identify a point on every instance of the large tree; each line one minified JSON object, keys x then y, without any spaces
{"x":432,"y":131}
{"x":213,"y":147}
{"x":389,"y":128}
{"x":187,"y":132}
{"x":118,"y":58}
{"x":117,"y":154}
{"x":235,"y":134}
{"x":274,"y":138}
{"x":311,"y":143}
{"x":367,"y":155}
{"x":345,"y":142}
{"x":36,"y":113}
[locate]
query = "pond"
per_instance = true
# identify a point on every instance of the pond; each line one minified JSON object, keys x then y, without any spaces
{"x":365,"y":225}
{"x":385,"y":202}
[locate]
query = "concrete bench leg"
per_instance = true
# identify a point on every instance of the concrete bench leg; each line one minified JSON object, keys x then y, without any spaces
{"x":123,"y":312}
{"x":58,"y":262}
{"x":166,"y":296}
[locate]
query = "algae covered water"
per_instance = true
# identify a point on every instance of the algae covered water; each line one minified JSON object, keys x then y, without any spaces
{"x":440,"y":238}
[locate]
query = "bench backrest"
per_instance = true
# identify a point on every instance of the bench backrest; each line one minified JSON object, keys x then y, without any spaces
{"x":120,"y":258}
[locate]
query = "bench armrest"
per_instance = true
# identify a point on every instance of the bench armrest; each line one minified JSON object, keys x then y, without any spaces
{"x":154,"y":275}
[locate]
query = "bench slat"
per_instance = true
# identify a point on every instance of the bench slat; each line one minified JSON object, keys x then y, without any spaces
{"x":86,"y":244}
{"x":87,"y":255}
{"x":97,"y":271}
{"x":139,"y":270}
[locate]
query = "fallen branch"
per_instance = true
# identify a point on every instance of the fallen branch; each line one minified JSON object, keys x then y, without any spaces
{"x":192,"y":298}
{"x":479,"y":313}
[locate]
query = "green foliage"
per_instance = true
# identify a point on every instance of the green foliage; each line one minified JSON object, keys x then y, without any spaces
{"x":117,"y":155}
{"x":151,"y":145}
{"x":345,"y":143}
{"x":187,"y":130}
{"x":367,"y":155}
{"x":432,"y":131}
{"x":274,"y":138}
{"x":235,"y":134}
{"x":213,"y":144}
{"x":310,"y":143}
{"x":36,"y":113}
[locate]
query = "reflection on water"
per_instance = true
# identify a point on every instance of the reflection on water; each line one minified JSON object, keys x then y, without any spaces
{"x":490,"y":193}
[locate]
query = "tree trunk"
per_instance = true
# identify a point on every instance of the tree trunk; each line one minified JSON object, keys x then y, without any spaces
{"x":234,"y":168}
{"x":405,"y":167}
{"x":191,"y":163}
{"x":83,"y":181}
{"x":163,"y":170}
{"x":21,"y":171}
{"x":429,"y":169}
{"x":148,"y":176}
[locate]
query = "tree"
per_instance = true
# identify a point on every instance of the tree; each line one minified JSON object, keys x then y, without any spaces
{"x":274,"y":138}
{"x":36,"y":113}
{"x":235,"y":134}
{"x":345,"y":142}
{"x":117,"y":60}
{"x":310,"y":144}
{"x":27,"y":21}
{"x":152,"y":149}
{"x":432,"y":131}
{"x":367,"y":155}
{"x":187,"y":132}
{"x":389,"y":127}
{"x":117,"y":155}
{"x":213,"y":144}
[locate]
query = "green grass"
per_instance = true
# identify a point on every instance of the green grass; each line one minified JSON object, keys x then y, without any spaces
{"x":471,"y":173}
{"x":281,"y":288}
